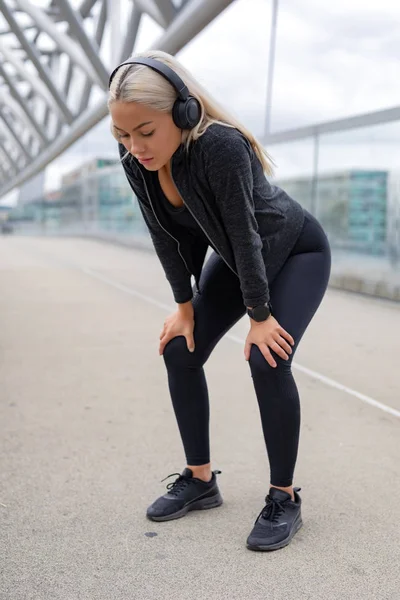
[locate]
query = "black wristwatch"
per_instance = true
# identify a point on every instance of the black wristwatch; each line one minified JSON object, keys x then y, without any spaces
{"x":260,"y":313}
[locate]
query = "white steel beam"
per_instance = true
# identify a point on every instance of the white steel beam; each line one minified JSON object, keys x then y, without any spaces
{"x":192,"y":19}
{"x":90,"y":47}
{"x":166,"y":9}
{"x":189,"y":21}
{"x":150,"y":7}
{"x":14,"y":134}
{"x":86,"y":7}
{"x":22,"y":102}
{"x":386,"y":115}
{"x":7,"y":159}
{"x":131,"y":34}
{"x":23,"y":116}
{"x":34,"y":56}
{"x":36,"y":83}
{"x":101,"y":23}
{"x":114,"y":17}
{"x":65,"y":43}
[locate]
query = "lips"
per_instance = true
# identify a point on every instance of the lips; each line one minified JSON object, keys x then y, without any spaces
{"x":144,"y":160}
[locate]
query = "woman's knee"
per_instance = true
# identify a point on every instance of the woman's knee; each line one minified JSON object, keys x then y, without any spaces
{"x":177,"y":355}
{"x":260,"y":365}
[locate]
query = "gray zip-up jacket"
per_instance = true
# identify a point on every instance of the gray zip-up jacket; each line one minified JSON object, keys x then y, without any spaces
{"x":252,"y":224}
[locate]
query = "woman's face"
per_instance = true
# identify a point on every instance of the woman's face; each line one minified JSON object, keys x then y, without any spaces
{"x":149,"y":135}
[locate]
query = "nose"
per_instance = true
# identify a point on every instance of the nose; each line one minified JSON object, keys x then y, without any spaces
{"x":137,"y":147}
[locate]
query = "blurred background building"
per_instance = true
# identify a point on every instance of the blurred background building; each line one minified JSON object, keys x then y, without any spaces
{"x":320,"y":95}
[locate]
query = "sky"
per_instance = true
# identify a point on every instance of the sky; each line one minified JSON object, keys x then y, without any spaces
{"x":332,"y":60}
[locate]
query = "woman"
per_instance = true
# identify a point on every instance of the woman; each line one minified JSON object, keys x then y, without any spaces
{"x":199,"y":177}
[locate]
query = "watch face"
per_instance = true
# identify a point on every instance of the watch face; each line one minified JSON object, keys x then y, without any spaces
{"x":261,"y":313}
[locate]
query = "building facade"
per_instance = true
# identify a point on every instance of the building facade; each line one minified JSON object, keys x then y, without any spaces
{"x":352,"y":205}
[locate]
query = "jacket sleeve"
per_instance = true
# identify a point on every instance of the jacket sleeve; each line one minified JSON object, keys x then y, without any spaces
{"x":165,"y":246}
{"x":229,"y":173}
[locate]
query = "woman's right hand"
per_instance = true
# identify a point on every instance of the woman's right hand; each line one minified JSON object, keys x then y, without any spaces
{"x":180,"y":322}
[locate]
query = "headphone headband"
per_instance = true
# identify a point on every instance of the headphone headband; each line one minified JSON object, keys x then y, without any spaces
{"x":186,"y":111}
{"x":168,"y":74}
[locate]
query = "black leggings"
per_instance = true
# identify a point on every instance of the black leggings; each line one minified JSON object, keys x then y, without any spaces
{"x":296,"y":292}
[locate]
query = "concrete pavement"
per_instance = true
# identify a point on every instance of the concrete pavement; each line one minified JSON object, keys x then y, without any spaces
{"x":87,"y":433}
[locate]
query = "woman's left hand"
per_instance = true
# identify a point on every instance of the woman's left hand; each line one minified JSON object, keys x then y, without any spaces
{"x":269,"y":335}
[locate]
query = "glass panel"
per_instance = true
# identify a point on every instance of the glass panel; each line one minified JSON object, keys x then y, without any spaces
{"x":358,"y":199}
{"x":231,"y":60}
{"x":293,"y":159}
{"x":294,"y":168}
{"x":329,"y":66}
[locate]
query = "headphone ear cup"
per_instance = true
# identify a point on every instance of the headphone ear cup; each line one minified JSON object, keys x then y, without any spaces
{"x":193,"y":111}
{"x":186,"y":114}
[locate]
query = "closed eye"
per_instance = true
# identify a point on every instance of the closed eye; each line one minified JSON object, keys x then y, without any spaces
{"x":125,"y":135}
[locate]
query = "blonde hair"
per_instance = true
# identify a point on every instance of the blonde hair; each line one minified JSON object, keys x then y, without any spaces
{"x":138,"y":83}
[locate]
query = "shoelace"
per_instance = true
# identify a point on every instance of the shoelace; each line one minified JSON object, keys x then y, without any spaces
{"x":272,"y":510}
{"x":178,"y":485}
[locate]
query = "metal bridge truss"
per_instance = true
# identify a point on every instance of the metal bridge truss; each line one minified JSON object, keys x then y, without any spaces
{"x":51,"y":63}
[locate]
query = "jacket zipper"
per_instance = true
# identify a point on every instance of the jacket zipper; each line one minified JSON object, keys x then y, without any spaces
{"x":203,"y":230}
{"x":170,"y":234}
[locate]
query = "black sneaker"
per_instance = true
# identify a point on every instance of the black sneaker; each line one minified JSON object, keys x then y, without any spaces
{"x":277,"y":522}
{"x":185,"y":493}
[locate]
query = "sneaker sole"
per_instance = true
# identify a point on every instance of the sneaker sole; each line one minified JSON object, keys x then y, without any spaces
{"x":202,"y":504}
{"x":297,"y":525}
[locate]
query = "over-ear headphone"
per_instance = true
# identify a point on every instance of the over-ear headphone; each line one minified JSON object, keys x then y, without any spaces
{"x":186,"y":112}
